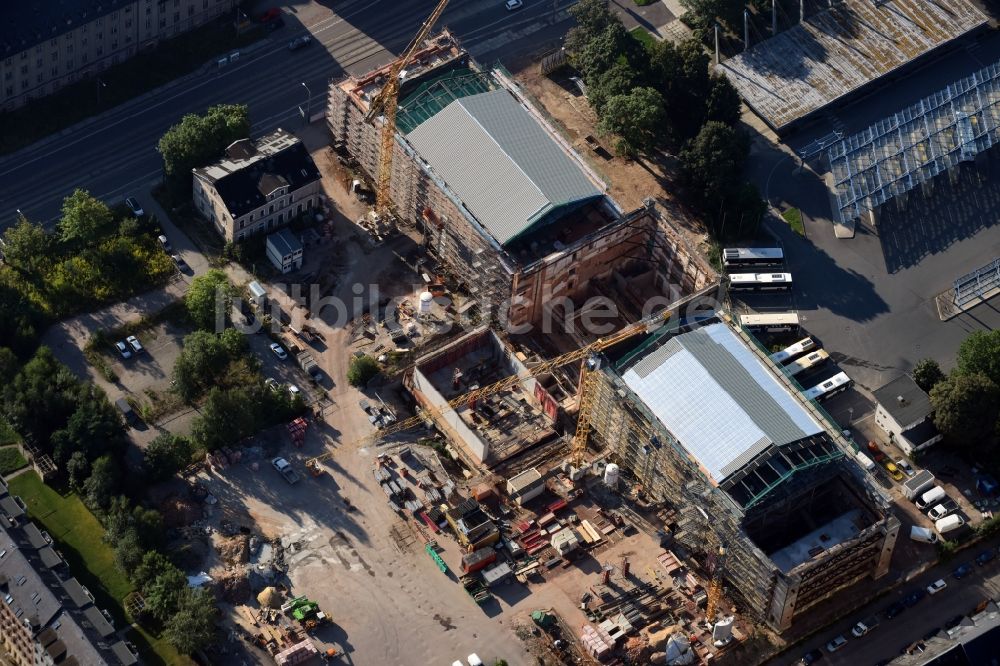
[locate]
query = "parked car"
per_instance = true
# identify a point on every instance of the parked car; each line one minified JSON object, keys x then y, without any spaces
{"x":894,"y":471}
{"x":511,"y":5}
{"x":181,"y":264}
{"x":895,"y":609}
{"x":811,"y":657}
{"x":859,"y":630}
{"x":294,"y":391}
{"x":133,"y":205}
{"x":123,"y":349}
{"x":985,"y":557}
{"x":905,"y":466}
{"x":914,"y":597}
{"x":945,"y":508}
{"x":836,"y":644}
{"x":164,"y":242}
{"x":962,"y":571}
{"x":299,"y":42}
{"x":279,"y":351}
{"x":876,"y":452}
{"x":134,"y":343}
{"x":936,"y":586}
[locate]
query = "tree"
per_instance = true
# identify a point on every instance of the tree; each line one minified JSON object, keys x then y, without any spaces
{"x":226,"y":417}
{"x":128,"y":552}
{"x":966,"y":408}
{"x":613,"y":44}
{"x":723,"y":102}
{"x":41,"y":398}
{"x":77,"y":470}
{"x":703,"y":13}
{"x":95,"y":428}
{"x":165,"y":456}
{"x":636,"y":118}
{"x":712,"y":164}
{"x":153,"y":564}
{"x":162,"y":595}
{"x":619,"y":79}
{"x":208,"y":300}
{"x":592,"y":18}
{"x":680,"y":73}
{"x":9,"y":365}
{"x":20,"y":318}
{"x":192,"y":627}
{"x":102,"y":483}
{"x":362,"y":370}
{"x":83,"y":218}
{"x":980,"y":353}
{"x":927,"y":373}
{"x":27,"y":246}
{"x":199,"y":140}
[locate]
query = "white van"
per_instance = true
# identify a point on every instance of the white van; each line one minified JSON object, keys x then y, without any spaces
{"x":931,"y":497}
{"x":867,"y":463}
{"x":474,"y":660}
{"x":924,"y":534}
{"x":952,"y":522}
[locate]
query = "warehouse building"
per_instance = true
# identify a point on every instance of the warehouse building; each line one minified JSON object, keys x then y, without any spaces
{"x":704,"y":421}
{"x":504,"y":202}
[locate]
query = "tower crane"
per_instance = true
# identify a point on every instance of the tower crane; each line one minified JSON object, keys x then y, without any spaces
{"x":588,"y":354}
{"x":715,"y":585}
{"x":386,"y":103}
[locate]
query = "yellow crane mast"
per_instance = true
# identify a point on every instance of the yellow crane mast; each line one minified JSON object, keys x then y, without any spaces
{"x":587,"y":354}
{"x":386,"y":103}
{"x":715,"y":586}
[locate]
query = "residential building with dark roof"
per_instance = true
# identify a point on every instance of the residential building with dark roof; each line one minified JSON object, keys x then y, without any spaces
{"x":904,"y":412}
{"x":258,"y":186}
{"x":48,"y":44}
{"x":700,"y":418}
{"x":974,"y":642}
{"x":506,"y":205}
{"x":47,"y":618}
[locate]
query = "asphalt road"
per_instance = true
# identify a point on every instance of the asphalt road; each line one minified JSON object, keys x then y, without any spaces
{"x":891,"y":636}
{"x":114,"y":154}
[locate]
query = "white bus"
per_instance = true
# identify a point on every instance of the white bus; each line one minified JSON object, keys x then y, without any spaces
{"x":794,"y":351}
{"x":782,"y":322}
{"x":810,"y":362}
{"x":760,"y":281}
{"x":736,"y":257}
{"x":832,"y":386}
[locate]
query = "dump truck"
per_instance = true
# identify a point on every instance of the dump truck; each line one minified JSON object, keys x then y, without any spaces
{"x":286,"y":470}
{"x":309,"y":364}
{"x":916,"y":485}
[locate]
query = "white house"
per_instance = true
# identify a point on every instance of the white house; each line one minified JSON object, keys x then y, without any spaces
{"x":904,"y":412}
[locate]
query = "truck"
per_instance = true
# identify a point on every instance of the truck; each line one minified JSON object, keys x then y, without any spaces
{"x":309,"y":364}
{"x":916,"y":485}
{"x":286,"y":470}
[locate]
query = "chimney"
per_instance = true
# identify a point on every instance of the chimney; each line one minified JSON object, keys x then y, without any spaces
{"x":901,"y":400}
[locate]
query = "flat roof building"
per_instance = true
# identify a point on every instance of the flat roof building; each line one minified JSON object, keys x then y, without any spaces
{"x":701,"y":418}
{"x":904,"y":412}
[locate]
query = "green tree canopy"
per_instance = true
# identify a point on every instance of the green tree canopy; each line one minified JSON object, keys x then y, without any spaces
{"x":592,"y":18}
{"x":619,"y":79}
{"x":102,"y":484}
{"x":636,"y":118}
{"x":162,"y":595}
{"x":927,"y":373}
{"x":41,"y":399}
{"x":966,"y":408}
{"x":192,"y":626}
{"x":199,"y":140}
{"x":208,"y":299}
{"x":207,"y":360}
{"x":362,"y":370}
{"x":165,"y":456}
{"x":703,"y":13}
{"x":680,"y":73}
{"x":153,"y":564}
{"x":613,"y":44}
{"x":713,"y":163}
{"x":980,"y":353}
{"x":27,"y":246}
{"x":84,"y":218}
{"x":723,"y":102}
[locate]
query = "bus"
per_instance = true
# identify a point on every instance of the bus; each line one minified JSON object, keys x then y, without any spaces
{"x":837,"y":384}
{"x":760,"y":281}
{"x":810,"y":362}
{"x":794,"y":351}
{"x":736,"y":257}
{"x":782,"y":322}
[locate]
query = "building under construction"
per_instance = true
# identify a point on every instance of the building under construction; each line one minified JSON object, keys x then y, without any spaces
{"x":505,"y":204}
{"x":702,"y":420}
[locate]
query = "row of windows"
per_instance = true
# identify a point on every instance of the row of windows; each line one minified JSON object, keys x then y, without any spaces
{"x":70,"y":77}
{"x":270,"y":223}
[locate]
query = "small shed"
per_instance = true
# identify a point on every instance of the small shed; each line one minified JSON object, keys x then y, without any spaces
{"x":565,"y":541}
{"x":525,"y":486}
{"x":258,"y":295}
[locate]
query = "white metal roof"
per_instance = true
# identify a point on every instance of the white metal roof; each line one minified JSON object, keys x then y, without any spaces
{"x":718,"y":399}
{"x":499,"y":160}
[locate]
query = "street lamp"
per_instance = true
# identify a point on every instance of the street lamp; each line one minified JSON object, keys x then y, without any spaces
{"x":100,"y":84}
{"x":308,"y":101}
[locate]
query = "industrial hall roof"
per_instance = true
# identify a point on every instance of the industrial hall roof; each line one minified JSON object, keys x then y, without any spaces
{"x":507,"y":169}
{"x":720,"y":401}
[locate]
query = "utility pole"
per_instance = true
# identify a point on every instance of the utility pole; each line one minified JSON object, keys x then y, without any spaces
{"x":100,"y":84}
{"x":717,"y":43}
{"x":774,"y":17}
{"x":308,"y":102}
{"x":746,"y":29}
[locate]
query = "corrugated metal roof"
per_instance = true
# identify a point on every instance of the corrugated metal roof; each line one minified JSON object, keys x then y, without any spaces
{"x":719,"y":400}
{"x":506,"y":168}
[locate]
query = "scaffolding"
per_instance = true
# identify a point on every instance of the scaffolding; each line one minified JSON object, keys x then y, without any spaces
{"x":899,"y":153}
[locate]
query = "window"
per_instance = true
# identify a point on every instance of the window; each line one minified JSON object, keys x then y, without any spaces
{"x":100,"y":50}
{"x":128,"y":23}
{"x":114,"y":30}
{"x":55,"y":71}
{"x":10,"y":91}
{"x":163,"y":21}
{"x":84,"y":42}
{"x":149,"y":24}
{"x":177,"y":17}
{"x":69,"y":64}
{"x":84,"y":59}
{"x":51,"y":43}
{"x":8,"y":76}
{"x":204,"y":4}
{"x":39,"y":77}
{"x":24,"y":69}
{"x":270,"y":209}
{"x":55,"y":56}
{"x":242,"y":224}
{"x":69,"y":48}
{"x":24,"y":54}
{"x":38,"y":63}
{"x":190,"y":10}
{"x":114,"y":46}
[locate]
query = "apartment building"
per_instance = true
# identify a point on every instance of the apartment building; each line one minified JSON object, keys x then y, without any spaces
{"x":47,"y":618}
{"x":48,"y":44}
{"x":258,"y":187}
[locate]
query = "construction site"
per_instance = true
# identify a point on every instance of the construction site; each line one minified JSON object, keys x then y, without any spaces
{"x":841,"y":51}
{"x":503,"y":203}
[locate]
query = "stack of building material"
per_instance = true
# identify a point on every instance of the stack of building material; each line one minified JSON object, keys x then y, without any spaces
{"x":296,"y":654}
{"x":596,"y":643}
